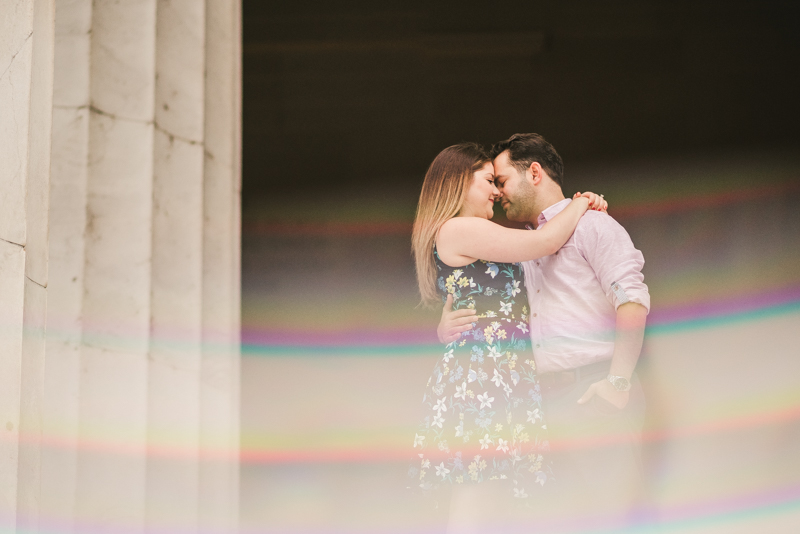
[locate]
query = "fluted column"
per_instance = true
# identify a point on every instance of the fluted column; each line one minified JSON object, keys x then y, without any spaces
{"x":26,"y":90}
{"x":143,"y":408}
{"x":177,"y":267}
{"x":68,"y":191}
{"x":219,"y":399}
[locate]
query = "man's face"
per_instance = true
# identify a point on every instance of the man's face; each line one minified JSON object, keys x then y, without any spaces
{"x":519,"y":195}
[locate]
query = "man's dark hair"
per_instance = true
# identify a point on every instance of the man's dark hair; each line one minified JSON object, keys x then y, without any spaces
{"x":524,"y":149}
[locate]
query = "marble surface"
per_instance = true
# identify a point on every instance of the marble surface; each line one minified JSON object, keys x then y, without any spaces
{"x":16,"y":57}
{"x":30,"y":406}
{"x":180,"y":68}
{"x":73,"y":42}
{"x":39,"y":135}
{"x":12,"y":295}
{"x":175,"y":343}
{"x":113,"y":439}
{"x":177,"y":250}
{"x":64,"y":311}
{"x":116,"y":305}
{"x":219,"y":485}
{"x":26,"y":65}
{"x":144,"y":267}
{"x":123,"y":58}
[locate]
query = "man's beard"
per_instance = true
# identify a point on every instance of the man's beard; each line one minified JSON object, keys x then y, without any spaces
{"x":524,"y":204}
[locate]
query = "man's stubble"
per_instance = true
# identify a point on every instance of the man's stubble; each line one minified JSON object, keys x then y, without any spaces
{"x":522,"y":207}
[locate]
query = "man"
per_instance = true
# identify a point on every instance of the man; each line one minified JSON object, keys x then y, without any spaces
{"x":588,"y":307}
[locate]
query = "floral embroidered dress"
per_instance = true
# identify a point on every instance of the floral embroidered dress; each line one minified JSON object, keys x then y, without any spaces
{"x":483,"y":403}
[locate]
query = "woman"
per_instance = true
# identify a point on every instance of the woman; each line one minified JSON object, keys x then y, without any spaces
{"x":484,"y":427}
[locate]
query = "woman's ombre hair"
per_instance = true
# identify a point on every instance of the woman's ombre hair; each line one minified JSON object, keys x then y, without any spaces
{"x":443,"y":193}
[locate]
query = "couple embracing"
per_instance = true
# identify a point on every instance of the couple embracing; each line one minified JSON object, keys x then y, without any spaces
{"x":534,"y":399}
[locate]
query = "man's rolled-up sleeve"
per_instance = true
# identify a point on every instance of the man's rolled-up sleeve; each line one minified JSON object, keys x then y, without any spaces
{"x":608,"y":248}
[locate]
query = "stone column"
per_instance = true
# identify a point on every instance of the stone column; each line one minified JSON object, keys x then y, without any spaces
{"x":219,"y":484}
{"x":142,"y":366}
{"x":26,"y":90}
{"x":68,"y":183}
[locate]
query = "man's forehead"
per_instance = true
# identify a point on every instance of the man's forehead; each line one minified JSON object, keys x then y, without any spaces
{"x":502,"y":160}
{"x":503,"y":171}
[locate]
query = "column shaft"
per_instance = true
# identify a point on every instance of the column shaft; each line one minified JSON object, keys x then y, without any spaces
{"x":219,"y":481}
{"x":26,"y":91}
{"x":111,"y":469}
{"x":177,"y":268}
{"x":146,"y":267}
{"x":68,"y":176}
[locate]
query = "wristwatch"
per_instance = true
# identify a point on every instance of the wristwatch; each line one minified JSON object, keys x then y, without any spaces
{"x":620,"y":383}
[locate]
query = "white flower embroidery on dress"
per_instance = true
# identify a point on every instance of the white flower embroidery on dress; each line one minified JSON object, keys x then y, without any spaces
{"x":502,"y":445}
{"x":438,"y":420}
{"x":497,"y":379}
{"x":441,"y":470}
{"x":494,"y":353}
{"x":485,"y":400}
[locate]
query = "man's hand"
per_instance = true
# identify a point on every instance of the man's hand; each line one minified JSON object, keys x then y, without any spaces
{"x":453,"y":323}
{"x":606,"y":390}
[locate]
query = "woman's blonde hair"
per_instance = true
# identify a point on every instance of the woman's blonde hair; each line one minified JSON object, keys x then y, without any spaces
{"x":443,"y":192}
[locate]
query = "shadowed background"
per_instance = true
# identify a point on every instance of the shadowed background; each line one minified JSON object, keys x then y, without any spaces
{"x":683,"y":114}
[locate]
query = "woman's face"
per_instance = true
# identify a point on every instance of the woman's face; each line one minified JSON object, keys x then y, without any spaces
{"x":481,"y":195}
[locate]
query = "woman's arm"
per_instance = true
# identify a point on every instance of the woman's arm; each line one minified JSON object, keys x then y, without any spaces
{"x":463,"y":240}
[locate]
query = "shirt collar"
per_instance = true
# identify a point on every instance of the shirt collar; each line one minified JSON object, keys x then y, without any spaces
{"x":552,"y":211}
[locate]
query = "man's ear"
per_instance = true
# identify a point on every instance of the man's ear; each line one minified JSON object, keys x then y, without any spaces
{"x":536,"y":172}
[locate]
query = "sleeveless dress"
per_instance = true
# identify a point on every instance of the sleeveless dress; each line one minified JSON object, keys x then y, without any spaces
{"x":483,"y":406}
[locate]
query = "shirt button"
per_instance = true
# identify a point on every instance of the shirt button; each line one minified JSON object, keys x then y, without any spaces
{"x":538,"y":346}
{"x":538,"y":290}
{"x":534,"y":315}
{"x":537,"y":263}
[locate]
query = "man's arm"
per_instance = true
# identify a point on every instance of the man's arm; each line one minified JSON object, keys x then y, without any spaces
{"x":618,"y":267}
{"x":453,"y":323}
{"x":631,"y":319}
